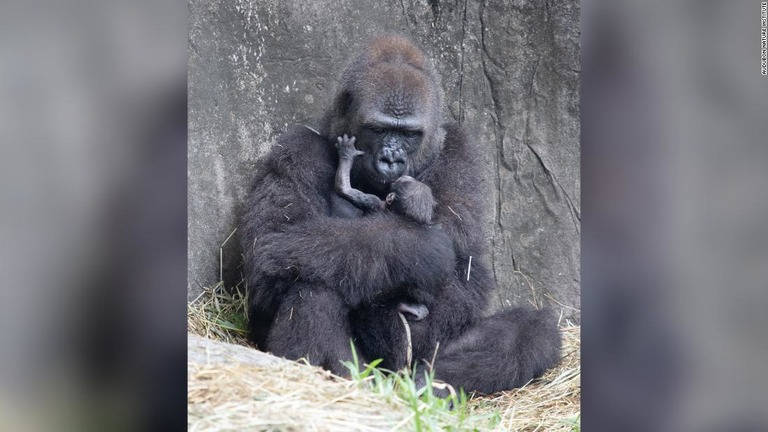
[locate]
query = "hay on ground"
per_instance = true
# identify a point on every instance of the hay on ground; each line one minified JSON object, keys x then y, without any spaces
{"x":285,"y":396}
{"x":291,"y":396}
{"x":552,"y":403}
{"x":220,"y":314}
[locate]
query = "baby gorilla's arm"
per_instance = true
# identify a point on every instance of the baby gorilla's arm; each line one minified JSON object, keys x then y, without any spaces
{"x":347,"y":155}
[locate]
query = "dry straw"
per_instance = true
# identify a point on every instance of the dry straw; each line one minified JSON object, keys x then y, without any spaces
{"x":285,"y":396}
{"x":292,"y":396}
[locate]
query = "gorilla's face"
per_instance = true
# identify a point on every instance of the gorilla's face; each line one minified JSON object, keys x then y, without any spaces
{"x":387,"y":148}
{"x":389,"y":140}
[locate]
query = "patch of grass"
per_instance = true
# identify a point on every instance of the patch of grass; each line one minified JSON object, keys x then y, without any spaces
{"x":428,"y":412}
{"x":575,"y":423}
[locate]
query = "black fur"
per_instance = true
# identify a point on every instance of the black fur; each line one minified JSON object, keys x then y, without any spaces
{"x":321,"y":271}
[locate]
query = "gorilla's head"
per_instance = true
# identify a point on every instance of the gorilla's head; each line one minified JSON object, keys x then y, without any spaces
{"x":390,"y":100}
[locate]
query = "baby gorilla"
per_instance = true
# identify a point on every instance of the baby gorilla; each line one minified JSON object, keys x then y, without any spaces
{"x":408,"y":197}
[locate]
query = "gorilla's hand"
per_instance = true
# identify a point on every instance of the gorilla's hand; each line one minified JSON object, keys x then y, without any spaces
{"x":412,"y":198}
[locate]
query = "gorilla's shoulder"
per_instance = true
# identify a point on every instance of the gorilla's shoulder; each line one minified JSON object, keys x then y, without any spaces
{"x":300,"y":146}
{"x":301,"y":140}
{"x":457,"y":145}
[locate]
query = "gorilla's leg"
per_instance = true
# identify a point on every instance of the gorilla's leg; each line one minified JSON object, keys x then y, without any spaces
{"x":380,"y":334}
{"x":500,"y":352}
{"x":312,"y":322}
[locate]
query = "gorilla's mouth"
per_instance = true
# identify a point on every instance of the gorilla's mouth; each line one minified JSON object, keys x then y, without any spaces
{"x":376,"y":183}
{"x":386,"y":179}
{"x":387,"y":172}
{"x":390,"y":167}
{"x":378,"y":179}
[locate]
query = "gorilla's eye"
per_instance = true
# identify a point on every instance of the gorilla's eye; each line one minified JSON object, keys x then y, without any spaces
{"x":411,"y":134}
{"x":376,"y":130}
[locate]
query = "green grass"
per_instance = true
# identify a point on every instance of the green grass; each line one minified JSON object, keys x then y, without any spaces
{"x":575,"y":423}
{"x":428,"y":411}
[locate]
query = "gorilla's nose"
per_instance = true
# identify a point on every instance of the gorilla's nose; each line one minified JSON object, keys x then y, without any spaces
{"x":391,"y":164}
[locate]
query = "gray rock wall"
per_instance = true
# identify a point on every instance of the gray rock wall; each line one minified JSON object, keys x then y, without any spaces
{"x":510,"y":71}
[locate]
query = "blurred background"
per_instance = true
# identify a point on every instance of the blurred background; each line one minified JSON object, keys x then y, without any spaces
{"x":674,"y":161}
{"x":93,"y":228}
{"x":675,"y":246}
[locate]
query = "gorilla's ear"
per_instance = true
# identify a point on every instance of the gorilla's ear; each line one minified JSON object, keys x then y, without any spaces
{"x":344,"y":103}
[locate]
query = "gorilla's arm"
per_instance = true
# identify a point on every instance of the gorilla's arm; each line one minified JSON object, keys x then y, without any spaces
{"x":363,"y":258}
{"x":461,"y":193}
{"x":289,"y":235}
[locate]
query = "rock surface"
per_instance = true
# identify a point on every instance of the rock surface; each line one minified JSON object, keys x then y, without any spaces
{"x":510,"y":71}
{"x":207,"y":351}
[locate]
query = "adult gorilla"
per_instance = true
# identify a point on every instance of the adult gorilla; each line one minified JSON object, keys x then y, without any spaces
{"x":337,"y":242}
